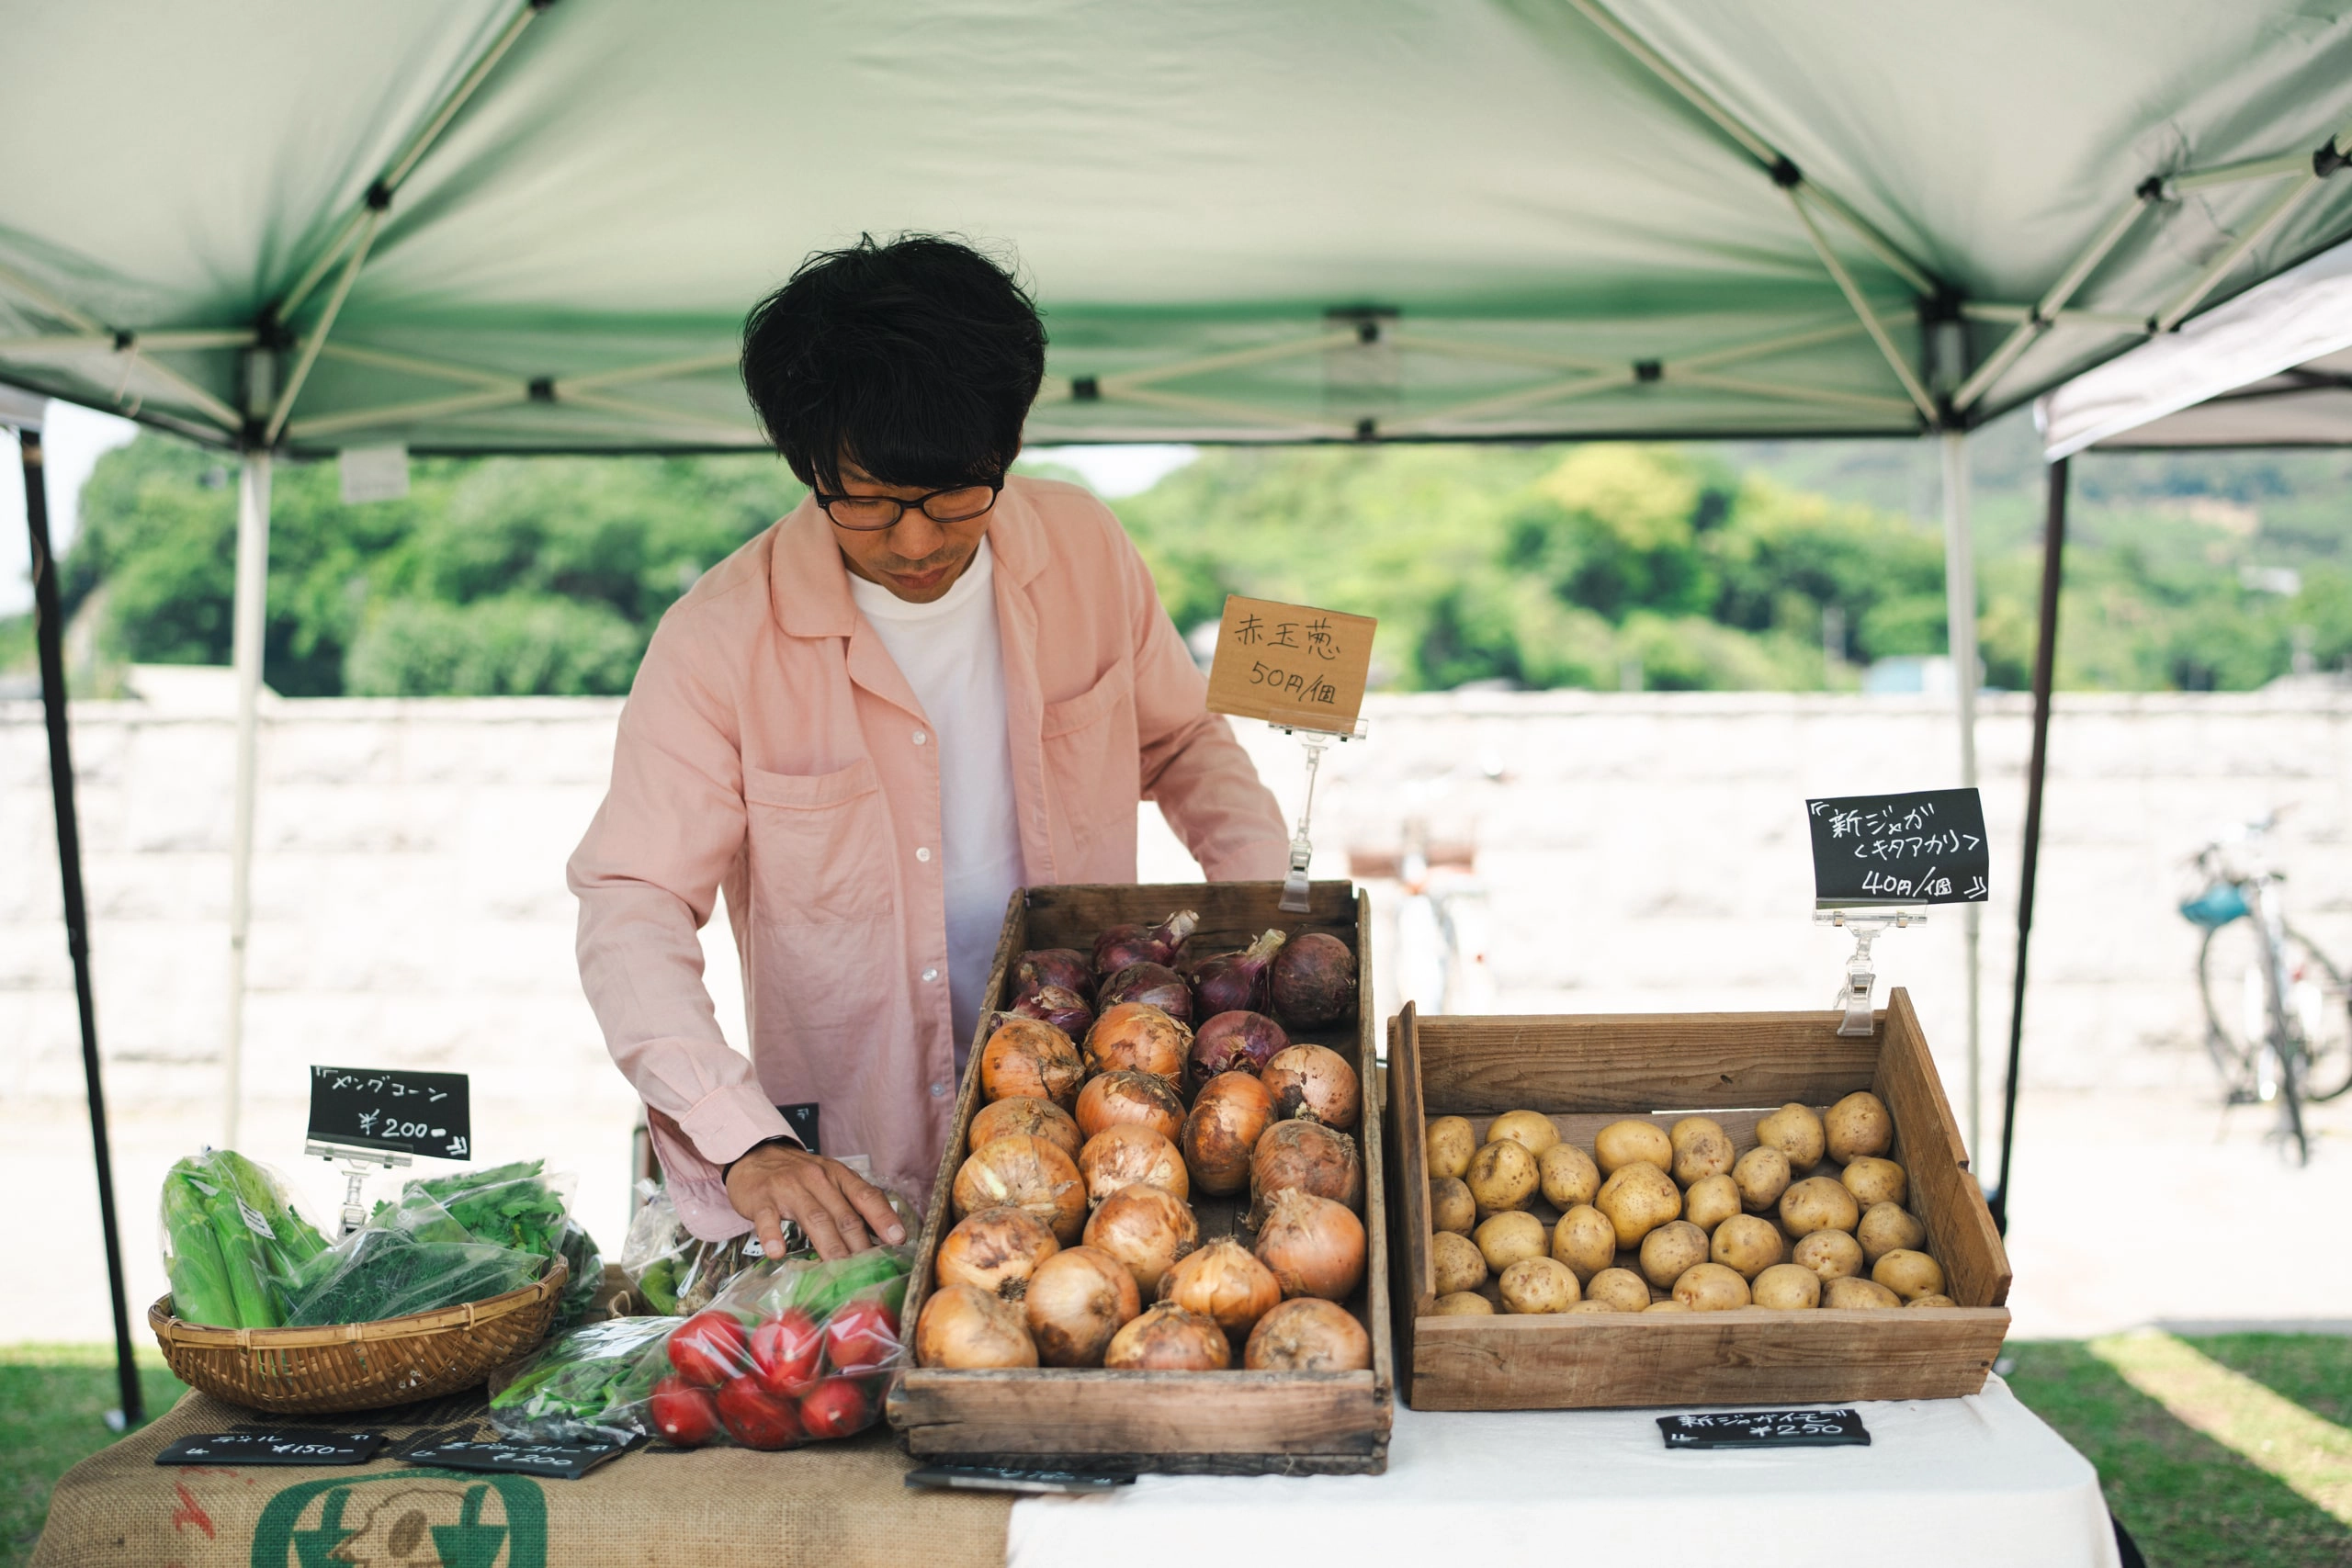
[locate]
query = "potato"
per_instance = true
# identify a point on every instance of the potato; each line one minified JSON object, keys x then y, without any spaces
{"x":1668,"y":1306}
{"x":1465,"y":1304}
{"x":1747,"y":1245}
{"x":1874,"y":1180}
{"x":1532,"y":1130}
{"x":1503,"y":1176}
{"x":1639,"y":1197}
{"x":1853,"y":1292}
{"x":1709,"y":1202}
{"x":1931,"y":1301}
{"x":1787,"y":1287}
{"x":1450,"y":1206}
{"x":1586,"y":1241}
{"x":1623,"y":1142}
{"x":1888,"y":1226}
{"x":1819,"y":1203}
{"x":1539,"y":1284}
{"x":1701,"y":1149}
{"x":1567,"y":1176}
{"x":1858,"y":1125}
{"x":1909,"y":1274}
{"x":1762,"y":1175}
{"x":1833,"y":1255}
{"x":1796,"y":1132}
{"x":1672,"y":1250}
{"x":1457,"y":1262}
{"x":1710,"y":1287}
{"x":1621,"y":1288}
{"x":1449,"y":1143}
{"x":1510,"y":1238}
{"x":1604,"y":1306}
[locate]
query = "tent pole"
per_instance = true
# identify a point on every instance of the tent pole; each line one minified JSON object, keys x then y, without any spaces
{"x":1960,"y":612}
{"x":50,"y":633}
{"x":251,"y":613}
{"x":2045,"y":664}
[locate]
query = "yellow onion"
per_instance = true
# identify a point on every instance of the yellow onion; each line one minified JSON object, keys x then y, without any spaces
{"x":1027,"y":1173}
{"x":1167,"y":1339}
{"x":1111,"y":1099}
{"x":1027,"y":1113}
{"x":1136,"y":1037}
{"x":1313,"y":1247}
{"x":1308,"y":1157}
{"x":1309,"y":1334}
{"x":962,"y":1326}
{"x":1123,"y":1156}
{"x":1078,"y":1301}
{"x":1146,"y":1228}
{"x":1030,"y":1056}
{"x":1224,"y":1284}
{"x":997,"y":1250}
{"x":1232,"y":1112}
{"x":1314,"y":1082}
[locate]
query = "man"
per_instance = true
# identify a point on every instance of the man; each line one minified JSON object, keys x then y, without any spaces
{"x":930,"y":684}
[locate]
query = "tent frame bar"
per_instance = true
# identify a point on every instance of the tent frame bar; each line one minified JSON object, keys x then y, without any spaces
{"x":1870,"y":323}
{"x":2316,"y":171}
{"x":2044,"y":311}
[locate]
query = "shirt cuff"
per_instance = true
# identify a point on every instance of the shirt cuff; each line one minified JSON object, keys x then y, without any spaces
{"x":726,"y":1123}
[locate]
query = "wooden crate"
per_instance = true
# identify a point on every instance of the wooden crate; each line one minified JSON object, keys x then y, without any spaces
{"x":1229,"y":1423}
{"x":1586,"y":1072}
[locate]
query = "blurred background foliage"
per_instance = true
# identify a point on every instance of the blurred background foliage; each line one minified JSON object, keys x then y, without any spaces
{"x":1788,"y":567}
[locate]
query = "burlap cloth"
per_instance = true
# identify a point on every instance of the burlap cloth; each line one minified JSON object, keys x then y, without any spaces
{"x":840,"y":1505}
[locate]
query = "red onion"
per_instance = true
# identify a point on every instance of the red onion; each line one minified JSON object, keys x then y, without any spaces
{"x":1235,"y":1042}
{"x":1122,"y":945}
{"x":1314,"y":1247}
{"x":1109,"y":1099}
{"x":1138,"y":1038}
{"x":1234,"y":982}
{"x":1056,"y":1005}
{"x":1308,"y":1158}
{"x":1063,"y":966}
{"x":1314,"y":1082}
{"x":1154,"y":985}
{"x":1314,"y":981}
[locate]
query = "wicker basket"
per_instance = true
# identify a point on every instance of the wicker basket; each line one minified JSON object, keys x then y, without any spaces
{"x":359,"y":1366}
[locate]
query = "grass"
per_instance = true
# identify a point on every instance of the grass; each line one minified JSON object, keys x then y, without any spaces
{"x":53,"y":1400}
{"x":2187,"y":1501}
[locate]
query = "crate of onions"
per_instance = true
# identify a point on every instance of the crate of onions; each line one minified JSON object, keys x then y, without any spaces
{"x":1158,"y":1241}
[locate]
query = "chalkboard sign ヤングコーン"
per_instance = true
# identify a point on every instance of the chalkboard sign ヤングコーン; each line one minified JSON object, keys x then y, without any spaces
{"x":400,"y":1112}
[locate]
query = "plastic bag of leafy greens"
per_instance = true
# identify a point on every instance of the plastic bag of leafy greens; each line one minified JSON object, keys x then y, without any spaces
{"x":593,"y":1383}
{"x":522,"y":1205}
{"x":415,"y":1257}
{"x":669,"y":1267}
{"x":233,"y":1241}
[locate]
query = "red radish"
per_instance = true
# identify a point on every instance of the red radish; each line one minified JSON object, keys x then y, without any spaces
{"x":835,"y":1408}
{"x":1163,"y":943}
{"x":756,"y":1418}
{"x":1236,"y":1041}
{"x":785,"y":1352}
{"x":1236,"y":982}
{"x":1153,"y":985}
{"x":710,"y":1348}
{"x":861,"y":1335}
{"x":681,"y":1413}
{"x":1314,"y":981}
{"x":1063,"y":966}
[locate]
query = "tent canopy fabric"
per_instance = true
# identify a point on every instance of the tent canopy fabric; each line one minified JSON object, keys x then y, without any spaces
{"x":1245,"y":219}
{"x":2273,"y":367}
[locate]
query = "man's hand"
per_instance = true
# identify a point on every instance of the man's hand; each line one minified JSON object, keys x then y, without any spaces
{"x":776,"y":1183}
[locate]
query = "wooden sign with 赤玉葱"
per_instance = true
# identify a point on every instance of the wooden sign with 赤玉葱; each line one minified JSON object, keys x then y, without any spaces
{"x":1291,"y":665}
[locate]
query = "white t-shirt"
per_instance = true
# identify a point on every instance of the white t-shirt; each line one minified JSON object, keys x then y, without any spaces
{"x":948,"y":651}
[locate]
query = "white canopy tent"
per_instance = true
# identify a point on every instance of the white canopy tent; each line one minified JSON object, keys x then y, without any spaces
{"x":493,"y":226}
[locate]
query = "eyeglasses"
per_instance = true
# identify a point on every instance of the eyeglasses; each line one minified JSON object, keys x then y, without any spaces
{"x":872,"y":514}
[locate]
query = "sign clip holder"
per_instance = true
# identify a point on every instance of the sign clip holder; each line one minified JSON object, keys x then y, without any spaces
{"x":356,"y":1163}
{"x":1312,"y":741}
{"x":1861,"y":970}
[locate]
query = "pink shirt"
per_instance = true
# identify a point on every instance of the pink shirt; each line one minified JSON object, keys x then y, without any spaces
{"x":771,"y":748}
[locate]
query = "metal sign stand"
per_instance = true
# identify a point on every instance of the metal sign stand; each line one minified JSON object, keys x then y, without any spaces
{"x":1302,"y":851}
{"x":1861,"y":970}
{"x":356,"y":1160}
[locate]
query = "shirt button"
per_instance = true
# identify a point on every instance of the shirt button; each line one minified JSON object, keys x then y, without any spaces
{"x":931,"y":974}
{"x":922,"y":854}
{"x":920,"y":736}
{"x":938,"y":1091}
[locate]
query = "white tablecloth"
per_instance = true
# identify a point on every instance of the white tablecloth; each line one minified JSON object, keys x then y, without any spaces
{"x":1977,"y":1482}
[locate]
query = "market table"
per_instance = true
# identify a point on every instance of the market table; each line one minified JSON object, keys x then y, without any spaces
{"x":1971,"y":1480}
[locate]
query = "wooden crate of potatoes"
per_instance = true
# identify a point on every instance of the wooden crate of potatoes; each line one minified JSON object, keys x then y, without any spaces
{"x":1683,"y":1209}
{"x":1158,"y":1241}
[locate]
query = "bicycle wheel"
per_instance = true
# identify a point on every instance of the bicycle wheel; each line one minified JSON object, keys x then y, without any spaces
{"x":2237,"y":1009}
{"x":2321,"y":1003}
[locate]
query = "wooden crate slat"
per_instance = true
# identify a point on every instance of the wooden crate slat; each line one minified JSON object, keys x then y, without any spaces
{"x":1142,"y":1415}
{"x":1637,"y":1062}
{"x":1944,"y":1194}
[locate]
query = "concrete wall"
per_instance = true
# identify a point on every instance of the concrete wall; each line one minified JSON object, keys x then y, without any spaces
{"x":1636,"y":854}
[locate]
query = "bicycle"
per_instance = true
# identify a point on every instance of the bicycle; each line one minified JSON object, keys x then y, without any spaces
{"x":2278,"y":1011}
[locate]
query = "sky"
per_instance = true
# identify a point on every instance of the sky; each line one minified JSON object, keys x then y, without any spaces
{"x":71,"y":446}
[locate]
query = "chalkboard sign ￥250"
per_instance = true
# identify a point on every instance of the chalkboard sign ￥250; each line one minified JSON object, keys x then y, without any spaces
{"x":1926,"y":847}
{"x":397,"y":1112}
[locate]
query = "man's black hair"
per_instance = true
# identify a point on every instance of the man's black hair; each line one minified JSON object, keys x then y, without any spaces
{"x":917,"y":360}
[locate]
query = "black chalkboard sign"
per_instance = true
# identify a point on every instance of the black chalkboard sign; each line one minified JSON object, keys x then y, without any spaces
{"x":567,"y":1461}
{"x":297,"y":1445}
{"x":1764,"y":1429}
{"x":1926,"y":847}
{"x":997,"y":1478}
{"x":410,"y":1113}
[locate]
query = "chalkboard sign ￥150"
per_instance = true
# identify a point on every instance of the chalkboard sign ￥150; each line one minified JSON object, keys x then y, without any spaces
{"x":1924,"y":847}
